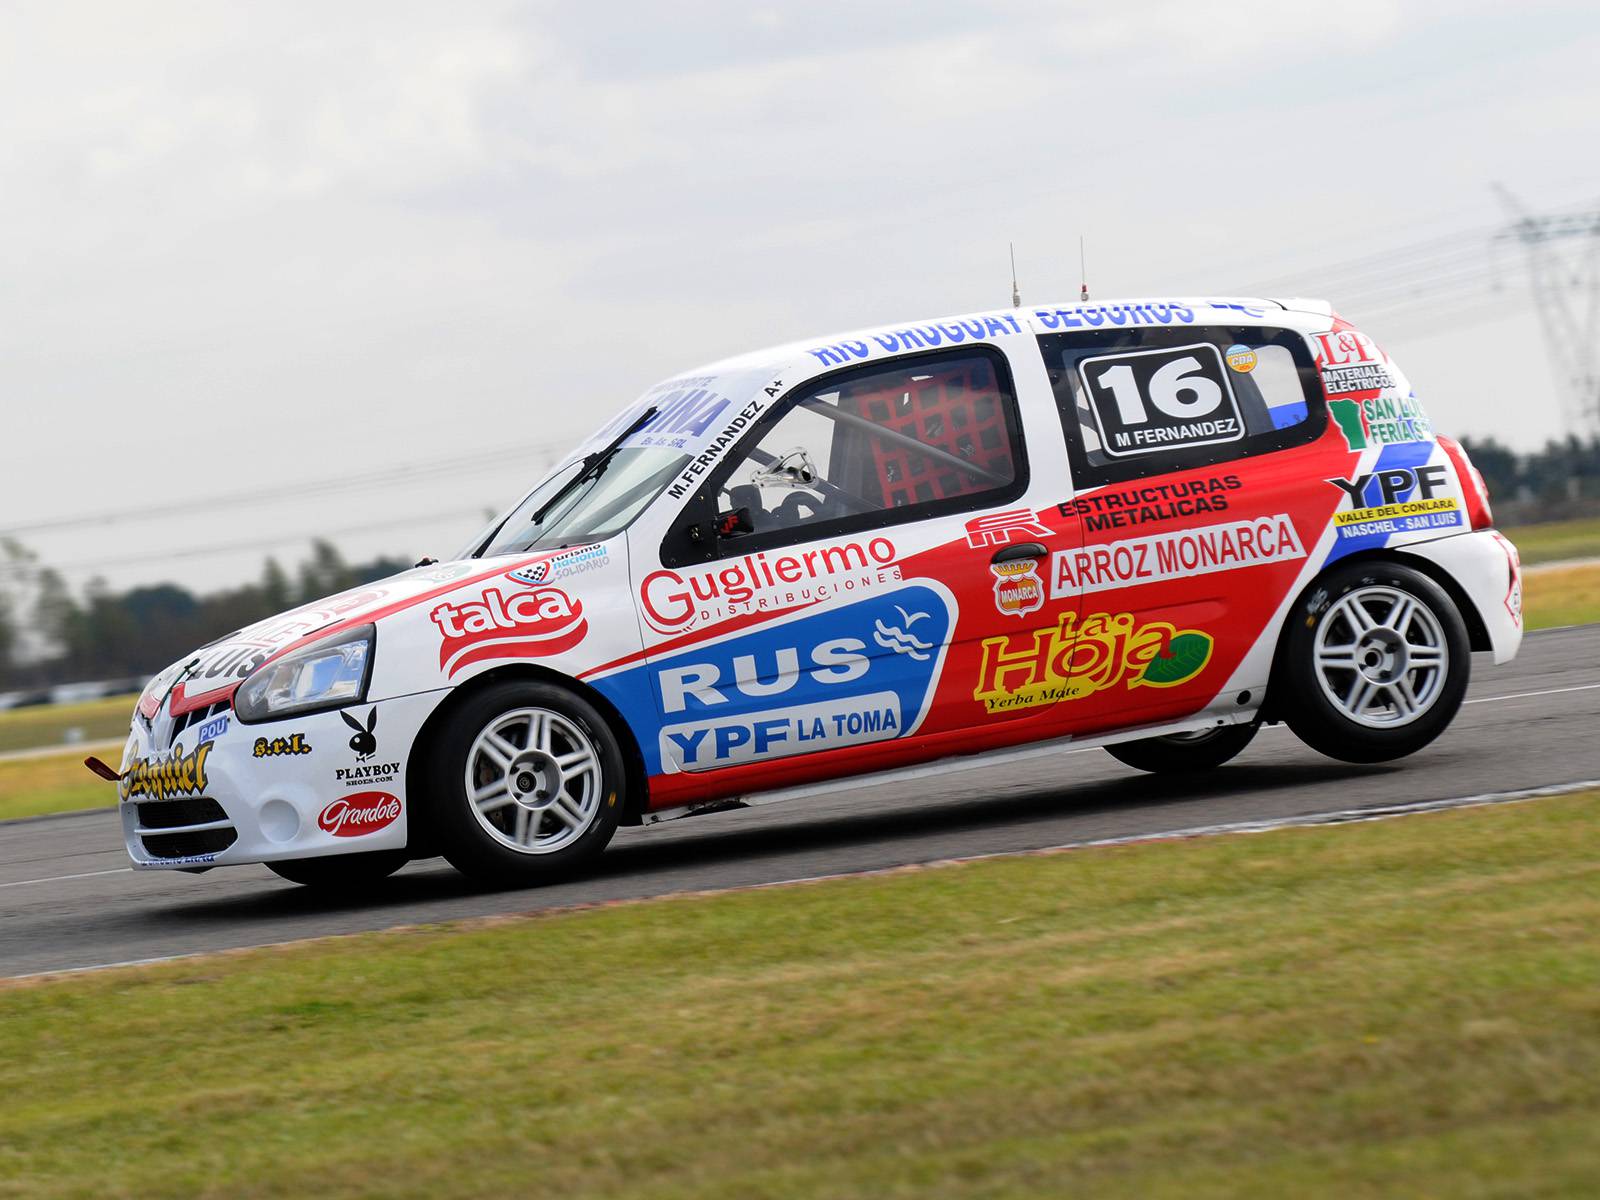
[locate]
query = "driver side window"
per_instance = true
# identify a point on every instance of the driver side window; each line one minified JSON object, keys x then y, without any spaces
{"x":866,"y":448}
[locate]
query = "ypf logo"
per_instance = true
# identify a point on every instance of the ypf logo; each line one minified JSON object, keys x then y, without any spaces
{"x":531,"y":624}
{"x":359,"y":814}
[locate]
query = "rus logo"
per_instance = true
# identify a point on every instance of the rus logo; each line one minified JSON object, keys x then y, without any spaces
{"x":531,"y":624}
{"x":362,"y":813}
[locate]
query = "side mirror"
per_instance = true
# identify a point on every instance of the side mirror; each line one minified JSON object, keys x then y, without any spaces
{"x":734,"y":522}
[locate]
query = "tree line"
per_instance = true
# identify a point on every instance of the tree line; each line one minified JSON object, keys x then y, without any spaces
{"x":1560,"y":481}
{"x":50,"y":636}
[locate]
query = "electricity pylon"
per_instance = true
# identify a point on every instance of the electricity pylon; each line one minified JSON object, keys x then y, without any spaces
{"x":1563,"y":253}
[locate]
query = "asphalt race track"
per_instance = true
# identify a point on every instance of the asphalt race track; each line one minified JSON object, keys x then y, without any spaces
{"x":67,"y":899}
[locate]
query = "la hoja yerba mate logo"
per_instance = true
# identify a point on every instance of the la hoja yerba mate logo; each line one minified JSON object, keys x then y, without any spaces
{"x":1076,"y":659}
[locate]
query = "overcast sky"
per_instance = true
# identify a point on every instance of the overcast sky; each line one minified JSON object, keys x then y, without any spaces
{"x":265,"y":248}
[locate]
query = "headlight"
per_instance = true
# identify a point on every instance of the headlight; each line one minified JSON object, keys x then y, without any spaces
{"x":327,"y":674}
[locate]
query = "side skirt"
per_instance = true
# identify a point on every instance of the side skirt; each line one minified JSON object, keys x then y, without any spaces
{"x":950,"y":765}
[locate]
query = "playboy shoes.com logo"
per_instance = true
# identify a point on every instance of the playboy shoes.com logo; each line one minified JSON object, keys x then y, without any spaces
{"x":362,"y":813}
{"x":531,"y":624}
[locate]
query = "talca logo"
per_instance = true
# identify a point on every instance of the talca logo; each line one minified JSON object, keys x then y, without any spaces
{"x":531,"y":624}
{"x":176,"y":774}
{"x":359,"y":814}
{"x":1076,"y":659}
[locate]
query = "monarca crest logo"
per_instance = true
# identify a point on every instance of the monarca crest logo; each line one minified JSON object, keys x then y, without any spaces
{"x":532,"y":624}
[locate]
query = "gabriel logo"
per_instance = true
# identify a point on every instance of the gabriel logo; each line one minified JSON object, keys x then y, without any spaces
{"x":362,"y":813}
{"x":523,"y":625}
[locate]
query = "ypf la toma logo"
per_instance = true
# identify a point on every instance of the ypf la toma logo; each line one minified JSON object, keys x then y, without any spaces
{"x":531,"y":624}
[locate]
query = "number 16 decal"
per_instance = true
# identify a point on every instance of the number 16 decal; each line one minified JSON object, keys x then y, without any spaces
{"x":1147,"y":401}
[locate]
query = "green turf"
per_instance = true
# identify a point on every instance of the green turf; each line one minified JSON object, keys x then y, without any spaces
{"x":1562,"y":596}
{"x":56,"y":783}
{"x":53,"y":724}
{"x":1555,"y":540}
{"x":1403,"y":1008}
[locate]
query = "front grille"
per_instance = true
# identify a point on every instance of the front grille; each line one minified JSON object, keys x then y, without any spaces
{"x":197,"y":717}
{"x":177,"y":814}
{"x":188,"y":843}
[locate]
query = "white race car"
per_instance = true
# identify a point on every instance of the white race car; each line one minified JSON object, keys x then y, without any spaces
{"x":1148,"y":525}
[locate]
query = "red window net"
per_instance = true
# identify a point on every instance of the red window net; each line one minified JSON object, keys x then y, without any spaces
{"x":957,"y":410}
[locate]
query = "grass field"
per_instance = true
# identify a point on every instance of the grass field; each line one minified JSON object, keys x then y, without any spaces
{"x":1405,"y":1007}
{"x":1555,"y":540}
{"x":1562,"y":596}
{"x":50,"y":724}
{"x":57,"y":783}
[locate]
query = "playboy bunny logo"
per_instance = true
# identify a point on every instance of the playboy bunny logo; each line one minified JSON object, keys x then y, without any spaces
{"x":364,"y":744}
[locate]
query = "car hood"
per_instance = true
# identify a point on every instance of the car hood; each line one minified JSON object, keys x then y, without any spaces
{"x":212,"y":673}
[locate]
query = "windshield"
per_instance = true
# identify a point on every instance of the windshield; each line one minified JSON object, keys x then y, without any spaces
{"x":668,"y":438}
{"x":605,"y":503}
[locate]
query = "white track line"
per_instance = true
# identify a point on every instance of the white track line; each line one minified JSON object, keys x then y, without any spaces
{"x":61,"y":878}
{"x":1332,"y":817}
{"x":1582,"y":687}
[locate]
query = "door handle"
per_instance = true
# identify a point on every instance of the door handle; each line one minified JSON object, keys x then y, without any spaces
{"x":1019,"y":551}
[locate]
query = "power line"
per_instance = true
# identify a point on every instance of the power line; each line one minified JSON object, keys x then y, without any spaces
{"x":304,"y":490}
{"x":221,"y":548}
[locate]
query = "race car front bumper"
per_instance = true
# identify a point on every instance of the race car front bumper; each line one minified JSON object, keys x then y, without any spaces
{"x":220,"y":792}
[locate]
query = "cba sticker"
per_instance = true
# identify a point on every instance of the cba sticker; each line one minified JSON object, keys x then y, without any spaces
{"x":1076,"y":659}
{"x":858,"y":673}
{"x":1018,"y":590}
{"x":1240,"y":358}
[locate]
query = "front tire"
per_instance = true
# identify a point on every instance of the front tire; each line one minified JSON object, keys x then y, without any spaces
{"x":1376,"y":663}
{"x":1185,"y":752}
{"x":341,"y":872}
{"x":526,"y":784}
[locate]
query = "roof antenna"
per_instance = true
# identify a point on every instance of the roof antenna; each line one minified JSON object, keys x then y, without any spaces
{"x":1016,"y":296}
{"x":1083,"y":270}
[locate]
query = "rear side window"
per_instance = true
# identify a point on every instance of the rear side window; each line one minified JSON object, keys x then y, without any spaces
{"x":1137,"y":402}
{"x":914,"y":438}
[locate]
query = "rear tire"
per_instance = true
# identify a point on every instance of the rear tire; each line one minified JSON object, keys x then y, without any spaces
{"x":1376,"y":663}
{"x":526,"y":784}
{"x":341,"y":872}
{"x":1185,"y":752}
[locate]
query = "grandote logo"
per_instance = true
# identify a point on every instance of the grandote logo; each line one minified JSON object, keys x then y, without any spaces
{"x":362,"y":813}
{"x":530,"y":624}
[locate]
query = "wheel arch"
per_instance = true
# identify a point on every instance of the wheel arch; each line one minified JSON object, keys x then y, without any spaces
{"x":1477,"y":632}
{"x":636,"y":788}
